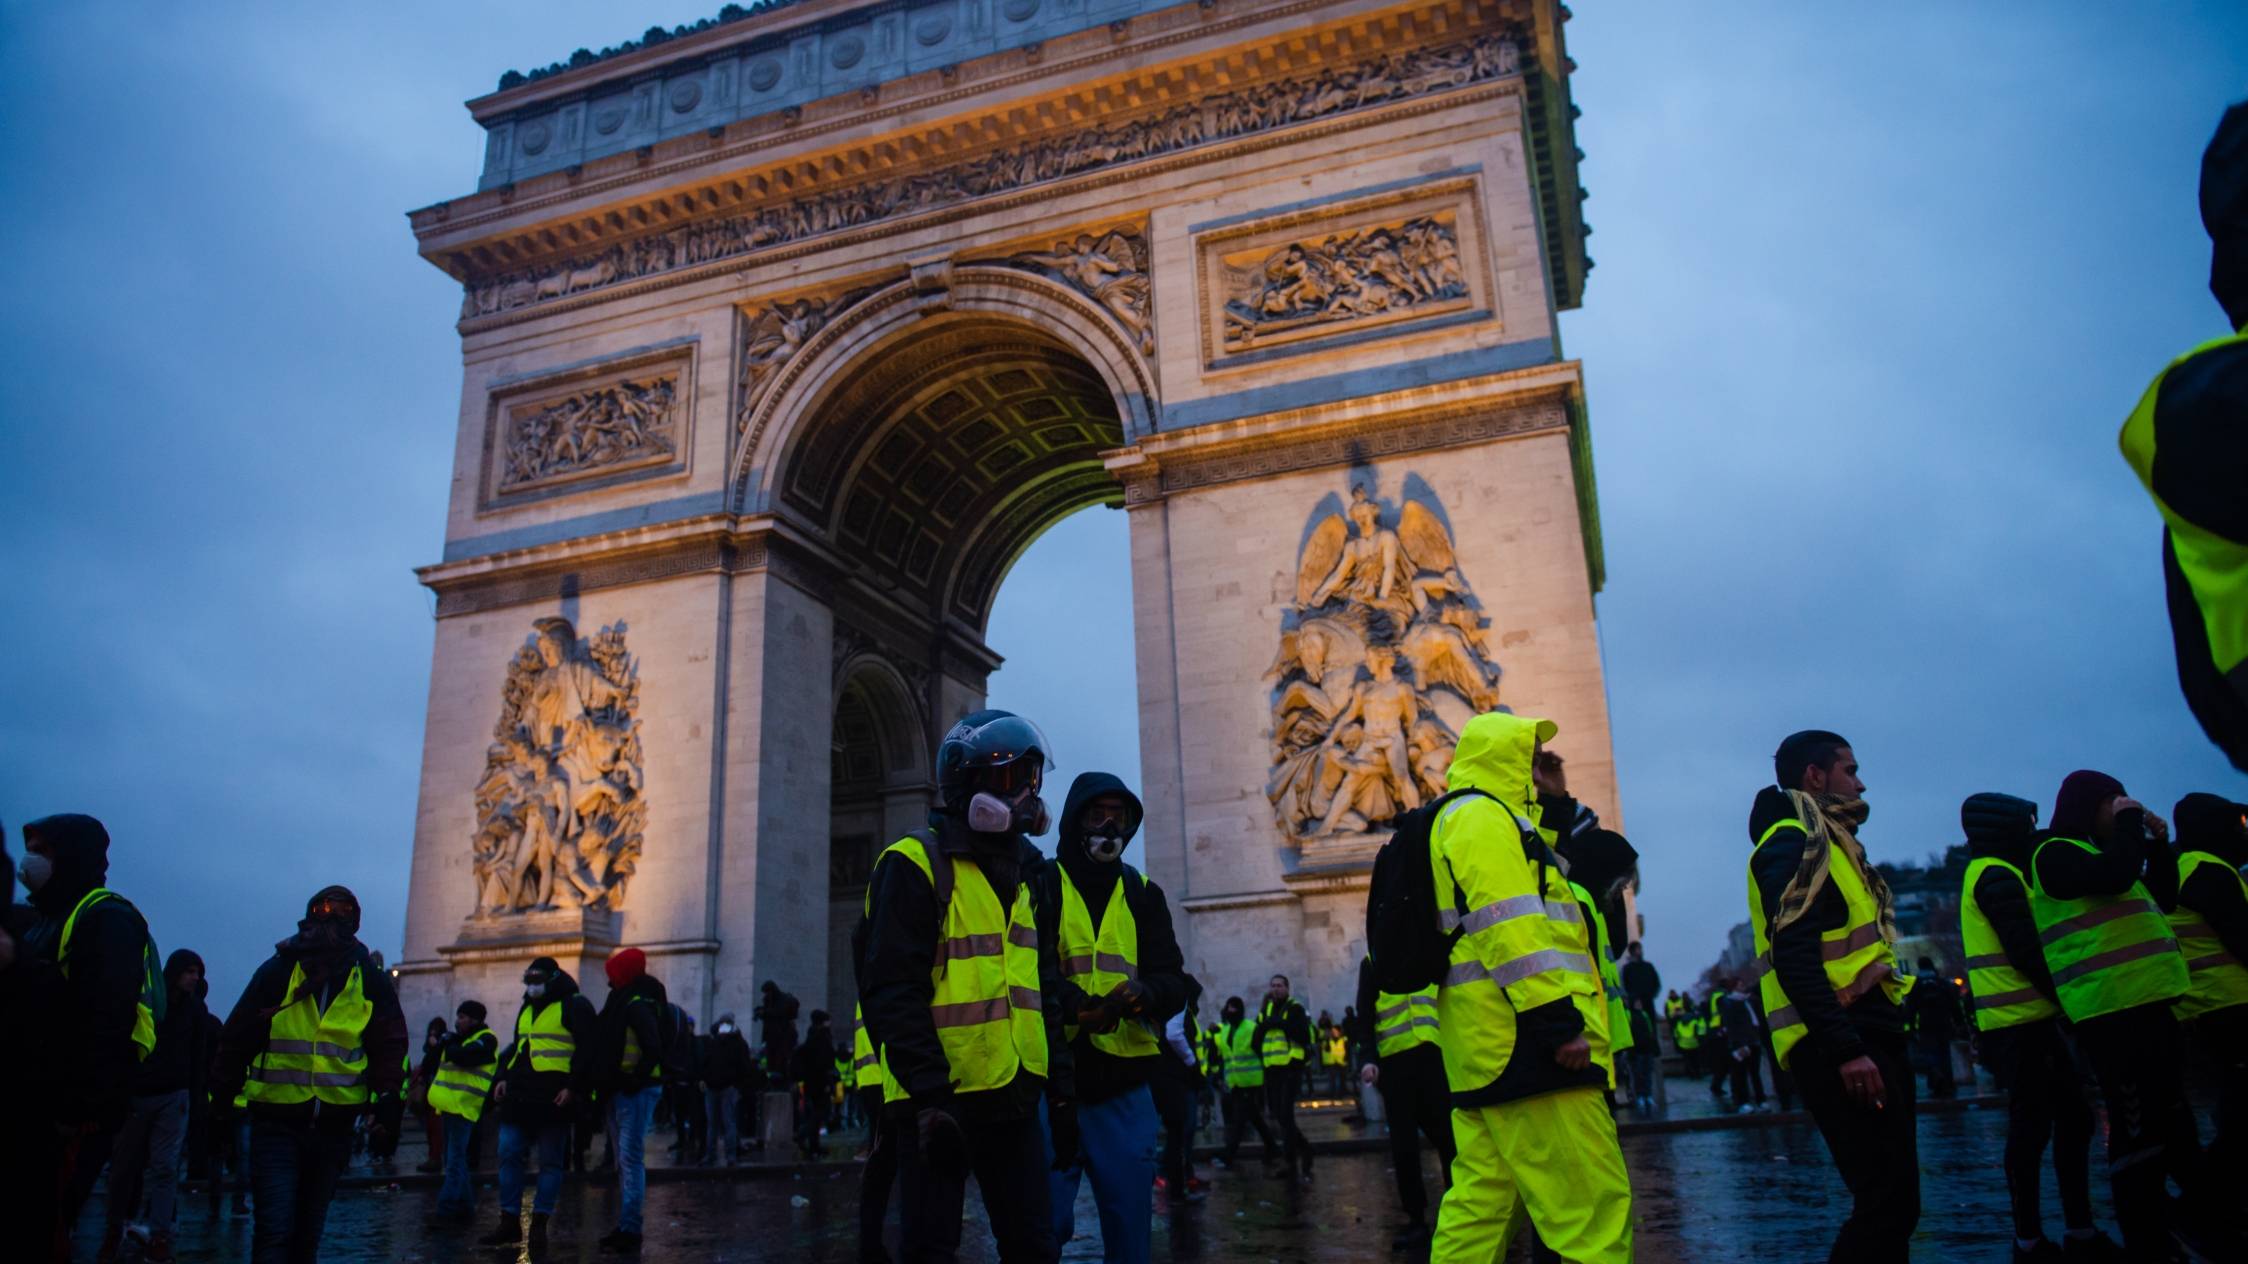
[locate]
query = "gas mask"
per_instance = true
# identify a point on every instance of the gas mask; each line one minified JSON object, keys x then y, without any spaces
{"x":35,"y":871}
{"x":990,"y":814}
{"x":1106,"y":845}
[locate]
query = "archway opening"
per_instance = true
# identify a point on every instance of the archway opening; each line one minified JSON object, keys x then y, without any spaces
{"x":878,"y":789}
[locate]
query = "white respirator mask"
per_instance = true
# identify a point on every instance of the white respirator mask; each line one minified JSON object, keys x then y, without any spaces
{"x":990,"y":814}
{"x":1104,"y":848}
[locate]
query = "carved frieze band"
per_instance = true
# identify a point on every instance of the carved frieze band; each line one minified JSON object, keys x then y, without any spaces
{"x":1264,"y":107}
{"x":1379,"y":439}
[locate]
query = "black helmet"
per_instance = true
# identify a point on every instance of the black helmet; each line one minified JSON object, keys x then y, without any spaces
{"x":989,"y":741}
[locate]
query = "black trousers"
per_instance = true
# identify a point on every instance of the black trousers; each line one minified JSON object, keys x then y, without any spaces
{"x":2137,"y":1055}
{"x":2223,"y":1038}
{"x":1281,"y":1086}
{"x":876,"y":1178}
{"x":1174,"y":1105}
{"x":1877,"y":1151}
{"x":1244,"y":1109}
{"x":1935,"y":1056}
{"x":1418,"y":1104}
{"x":1008,"y":1160}
{"x":1745,"y":1065}
{"x":2045,"y":1100}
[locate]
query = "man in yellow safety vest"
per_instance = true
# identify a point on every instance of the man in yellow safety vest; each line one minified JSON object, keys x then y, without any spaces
{"x":1283,"y":1043}
{"x":962,"y":997}
{"x":2211,"y":923}
{"x":316,"y":1041}
{"x":2187,"y":443}
{"x":1399,"y":1055}
{"x":1243,"y":1067}
{"x":1833,"y":995}
{"x":464,"y":1081}
{"x":545,"y":1083}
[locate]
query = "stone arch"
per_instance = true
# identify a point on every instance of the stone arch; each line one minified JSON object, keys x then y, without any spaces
{"x":878,"y":789}
{"x":931,"y":437}
{"x":1006,"y":297}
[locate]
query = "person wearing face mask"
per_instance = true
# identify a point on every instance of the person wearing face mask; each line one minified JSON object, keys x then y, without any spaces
{"x":543,"y":1077}
{"x":315,"y":1041}
{"x":962,"y":997}
{"x":2211,"y":922}
{"x":147,"y":1153}
{"x":2100,"y":885}
{"x":1243,"y":1066}
{"x":464,"y":1081}
{"x":1283,"y":1042}
{"x":101,"y":945}
{"x":725,"y":1066}
{"x":32,"y":999}
{"x":1122,"y":979}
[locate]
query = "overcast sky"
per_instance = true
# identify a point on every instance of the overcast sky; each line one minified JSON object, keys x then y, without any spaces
{"x":1874,"y":293}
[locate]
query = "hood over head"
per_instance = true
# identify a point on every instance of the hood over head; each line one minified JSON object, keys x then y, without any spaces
{"x":1999,"y":826}
{"x":2224,"y":212}
{"x":1088,"y":786}
{"x":1494,"y":756}
{"x":2076,"y":809}
{"x":181,"y":961}
{"x":2212,"y":823}
{"x":78,"y":847}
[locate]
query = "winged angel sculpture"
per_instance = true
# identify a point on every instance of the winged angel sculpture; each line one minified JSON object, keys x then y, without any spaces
{"x":1383,"y":640}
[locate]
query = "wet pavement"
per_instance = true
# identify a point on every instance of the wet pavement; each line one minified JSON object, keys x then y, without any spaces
{"x":1704,"y":1190}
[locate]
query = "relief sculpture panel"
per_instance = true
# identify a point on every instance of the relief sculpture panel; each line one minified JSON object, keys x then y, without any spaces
{"x":559,"y":810}
{"x":1383,"y":656}
{"x":628,"y":423}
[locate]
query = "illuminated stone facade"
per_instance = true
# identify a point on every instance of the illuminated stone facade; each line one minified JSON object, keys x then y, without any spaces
{"x":783,"y":339}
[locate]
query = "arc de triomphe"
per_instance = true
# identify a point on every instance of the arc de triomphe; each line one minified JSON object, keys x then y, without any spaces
{"x":785,"y":334}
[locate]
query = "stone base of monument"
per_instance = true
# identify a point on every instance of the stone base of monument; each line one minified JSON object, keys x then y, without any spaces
{"x":1337,"y":854}
{"x":486,"y":961}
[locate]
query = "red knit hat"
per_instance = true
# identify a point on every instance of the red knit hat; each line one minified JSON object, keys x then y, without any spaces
{"x":625,"y":965}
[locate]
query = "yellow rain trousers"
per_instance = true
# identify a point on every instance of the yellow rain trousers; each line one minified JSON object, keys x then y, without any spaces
{"x":1552,"y":1157}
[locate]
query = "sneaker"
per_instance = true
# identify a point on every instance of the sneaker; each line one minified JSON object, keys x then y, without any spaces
{"x":507,"y":1234}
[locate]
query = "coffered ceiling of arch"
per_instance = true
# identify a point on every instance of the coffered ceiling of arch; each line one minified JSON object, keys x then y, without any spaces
{"x":947,"y":455}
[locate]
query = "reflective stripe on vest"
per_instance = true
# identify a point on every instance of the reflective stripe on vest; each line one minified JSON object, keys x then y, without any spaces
{"x":2004,"y":995}
{"x":545,"y":1037}
{"x":1687,"y":1034}
{"x":1244,"y":1066}
{"x":1100,"y":962}
{"x":629,"y":1061}
{"x":2215,"y":568}
{"x":314,"y":1053}
{"x":1403,"y":1022}
{"x":985,"y":1006}
{"x":461,"y":1090}
{"x":866,"y":1067}
{"x":149,"y":1005}
{"x":1858,"y":960}
{"x":1277,"y":1050}
{"x":2107,"y":952}
{"x":2215,"y":979}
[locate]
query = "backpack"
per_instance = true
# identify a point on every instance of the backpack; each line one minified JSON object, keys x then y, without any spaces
{"x":677,"y":1057}
{"x":1411,"y":950}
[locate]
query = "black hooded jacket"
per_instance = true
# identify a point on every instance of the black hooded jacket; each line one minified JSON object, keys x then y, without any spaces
{"x":1835,"y":1032}
{"x":1101,"y":1076}
{"x":2002,"y":827}
{"x":326,"y":969}
{"x":644,"y":1021}
{"x":102,"y":987}
{"x":530,"y":1093}
{"x":2201,"y":446}
{"x":897,"y":953}
{"x":2208,"y":823}
{"x":179,"y":1060}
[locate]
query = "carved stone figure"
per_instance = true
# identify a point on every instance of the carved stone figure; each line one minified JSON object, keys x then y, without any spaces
{"x":775,"y":333}
{"x":1385,"y":637}
{"x":1393,"y":77}
{"x":1111,"y":269}
{"x":624,"y":422}
{"x":1365,"y":272}
{"x":559,"y":810}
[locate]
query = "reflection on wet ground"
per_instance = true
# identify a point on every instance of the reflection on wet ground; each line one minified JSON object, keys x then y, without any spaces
{"x":1699,"y":1195}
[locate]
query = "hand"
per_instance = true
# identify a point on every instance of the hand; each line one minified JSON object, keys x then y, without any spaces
{"x":1069,"y":1143}
{"x":938,"y":1134}
{"x":1861,"y":1079}
{"x":1370,"y":1074}
{"x":2158,"y":827}
{"x":1128,"y":997}
{"x":499,"y":1092}
{"x":562,"y":1099}
{"x":1097,"y":1019}
{"x":1575,"y":1055}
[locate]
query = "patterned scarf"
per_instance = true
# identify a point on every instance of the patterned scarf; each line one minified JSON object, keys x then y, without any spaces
{"x":1831,"y":819}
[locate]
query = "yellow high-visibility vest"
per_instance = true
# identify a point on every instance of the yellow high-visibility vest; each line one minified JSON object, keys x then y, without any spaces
{"x":1244,"y":1066}
{"x":2004,"y":995}
{"x":1277,"y":1050}
{"x":544,"y":1037}
{"x":314,"y":1053}
{"x":2215,"y":979}
{"x":1857,"y":958}
{"x":866,"y":1065}
{"x":986,"y":1006}
{"x":1099,"y":962}
{"x":149,"y":1005}
{"x":2106,"y":952}
{"x":1405,"y":1022}
{"x":461,"y":1090}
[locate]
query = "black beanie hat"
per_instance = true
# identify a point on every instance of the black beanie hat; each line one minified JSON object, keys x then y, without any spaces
{"x":474,"y":1010}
